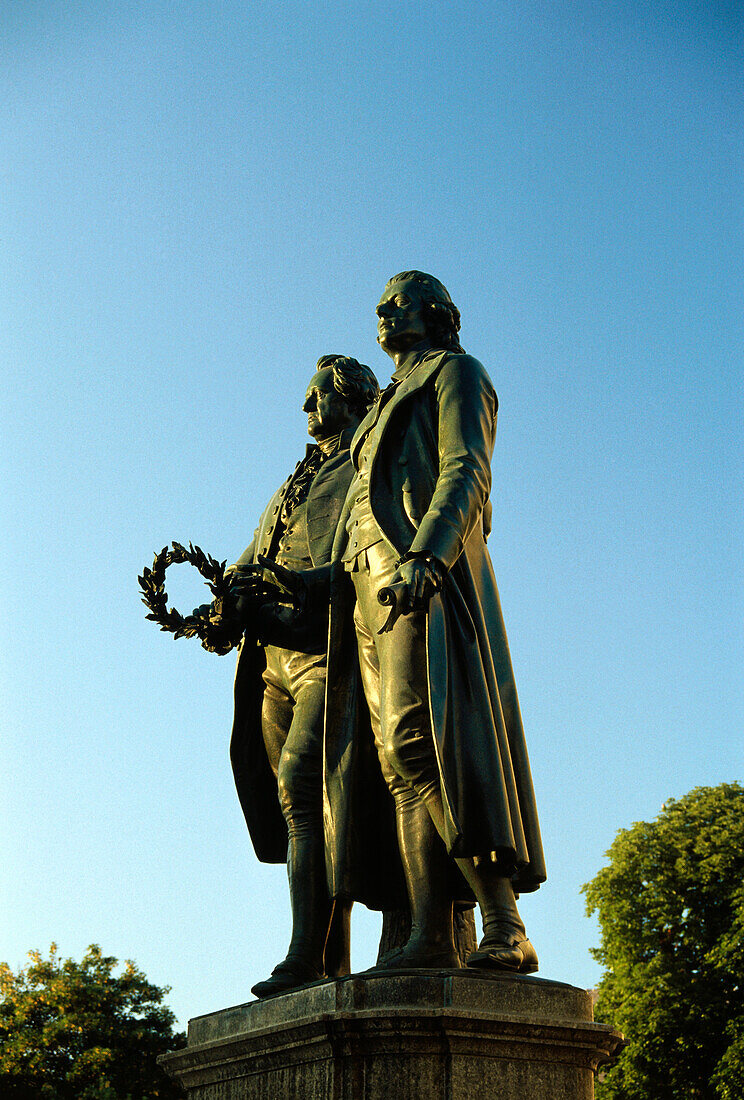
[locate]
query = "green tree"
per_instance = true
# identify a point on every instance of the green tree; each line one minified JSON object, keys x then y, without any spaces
{"x":79,"y":1031}
{"x":671,"y":911}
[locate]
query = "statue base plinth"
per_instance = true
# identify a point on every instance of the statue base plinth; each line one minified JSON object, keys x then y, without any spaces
{"x":437,"y":1035}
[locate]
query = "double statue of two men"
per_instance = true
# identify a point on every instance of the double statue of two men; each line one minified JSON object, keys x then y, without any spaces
{"x":390,"y":733}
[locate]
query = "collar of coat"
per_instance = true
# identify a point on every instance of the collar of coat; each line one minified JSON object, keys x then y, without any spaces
{"x":377,"y":417}
{"x":333,"y":445}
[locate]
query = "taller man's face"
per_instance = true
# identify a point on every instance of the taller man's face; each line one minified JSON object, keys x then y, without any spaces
{"x":401,"y":322}
{"x":327,"y":412}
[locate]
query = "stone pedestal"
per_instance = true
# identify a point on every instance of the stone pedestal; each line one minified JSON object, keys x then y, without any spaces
{"x":434,"y":1035}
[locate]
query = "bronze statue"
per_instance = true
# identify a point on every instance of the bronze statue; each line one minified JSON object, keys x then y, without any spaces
{"x":281,"y":677}
{"x":435,"y":663}
{"x":374,"y":688}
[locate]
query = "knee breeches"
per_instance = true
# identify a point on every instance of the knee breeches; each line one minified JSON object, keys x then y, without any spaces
{"x":292,"y":720}
{"x":394,"y":674}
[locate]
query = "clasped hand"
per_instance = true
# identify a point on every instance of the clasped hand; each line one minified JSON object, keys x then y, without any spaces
{"x":253,"y":589}
{"x":249,"y":593}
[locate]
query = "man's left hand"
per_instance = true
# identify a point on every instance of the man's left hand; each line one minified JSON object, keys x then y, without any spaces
{"x":416,"y":580}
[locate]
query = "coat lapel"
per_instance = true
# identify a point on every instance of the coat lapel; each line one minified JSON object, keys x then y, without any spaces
{"x":325,"y":502}
{"x":415,"y":381}
{"x":363,"y":429}
{"x":376,"y":420}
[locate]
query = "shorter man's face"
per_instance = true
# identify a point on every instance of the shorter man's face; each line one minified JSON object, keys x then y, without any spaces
{"x":400,"y":314}
{"x":327,"y":412}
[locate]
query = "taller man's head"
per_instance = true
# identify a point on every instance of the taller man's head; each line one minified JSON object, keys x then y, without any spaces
{"x":415,"y":308}
{"x":338,"y":396}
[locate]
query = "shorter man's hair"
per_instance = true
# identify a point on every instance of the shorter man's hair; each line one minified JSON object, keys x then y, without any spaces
{"x":354,"y":381}
{"x":441,"y":315}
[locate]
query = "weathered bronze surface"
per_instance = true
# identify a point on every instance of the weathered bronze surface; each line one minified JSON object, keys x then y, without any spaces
{"x":436,"y":674}
{"x":281,"y":677}
{"x":374,"y":689}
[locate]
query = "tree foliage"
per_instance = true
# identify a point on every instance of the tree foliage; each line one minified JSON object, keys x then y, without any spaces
{"x":671,"y":911}
{"x":79,"y":1031}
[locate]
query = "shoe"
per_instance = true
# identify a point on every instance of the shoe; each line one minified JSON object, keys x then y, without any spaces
{"x":504,"y":950}
{"x":404,"y":959}
{"x":290,"y":974}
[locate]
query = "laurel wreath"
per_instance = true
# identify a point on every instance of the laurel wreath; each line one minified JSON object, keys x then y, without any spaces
{"x":216,"y":637}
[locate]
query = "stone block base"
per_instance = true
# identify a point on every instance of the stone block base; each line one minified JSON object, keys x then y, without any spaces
{"x":434,"y":1035}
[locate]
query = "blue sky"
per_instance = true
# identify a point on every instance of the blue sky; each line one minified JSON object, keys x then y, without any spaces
{"x":198,"y":200}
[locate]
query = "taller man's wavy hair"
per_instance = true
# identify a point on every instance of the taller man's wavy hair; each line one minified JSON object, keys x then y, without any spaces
{"x":441,"y":315}
{"x":354,"y":381}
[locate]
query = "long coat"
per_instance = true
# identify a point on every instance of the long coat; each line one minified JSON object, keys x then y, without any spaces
{"x":254,"y":780}
{"x":429,"y":484}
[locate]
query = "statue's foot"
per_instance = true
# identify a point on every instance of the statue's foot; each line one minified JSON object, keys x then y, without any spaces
{"x":290,"y":974}
{"x":504,"y":949}
{"x":414,"y":957}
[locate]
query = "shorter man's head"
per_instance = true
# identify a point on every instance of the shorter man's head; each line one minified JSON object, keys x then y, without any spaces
{"x":416,"y":307}
{"x":339,"y":394}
